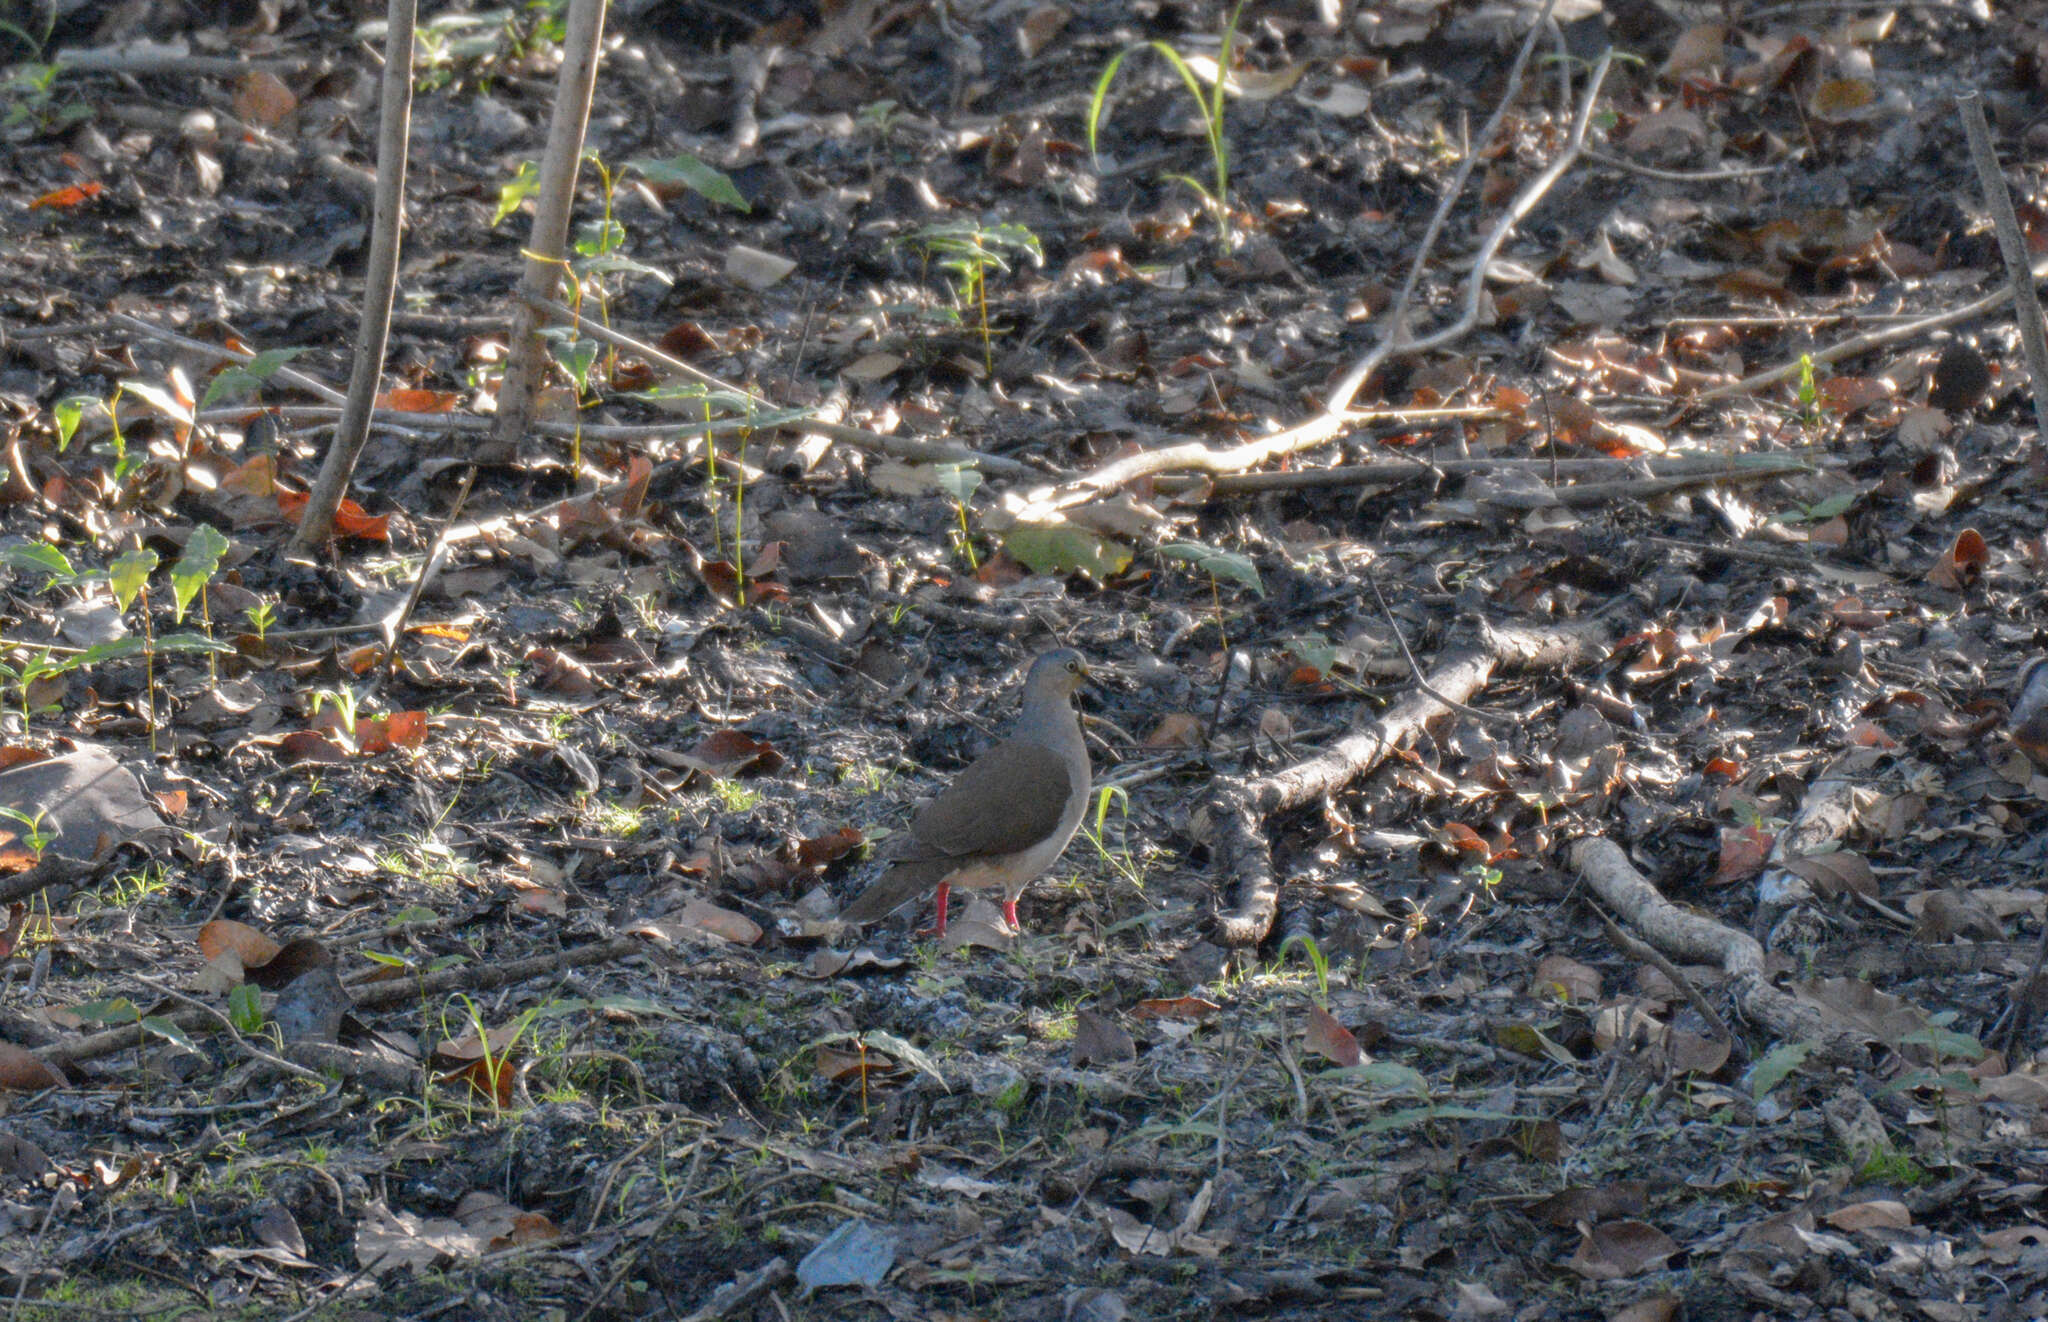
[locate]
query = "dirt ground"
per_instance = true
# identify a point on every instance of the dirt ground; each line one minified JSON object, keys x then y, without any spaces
{"x":1569,"y":831}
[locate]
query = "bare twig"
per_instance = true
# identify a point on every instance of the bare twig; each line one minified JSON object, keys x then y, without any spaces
{"x":2012,"y":245}
{"x":380,"y":283}
{"x":227,"y":1025}
{"x":1195,"y":457}
{"x":437,"y":555}
{"x":288,"y":375}
{"x":547,"y":246}
{"x":1415,"y":670}
{"x":1732,"y":172}
{"x":1859,"y":345}
{"x":1649,"y":954}
{"x":1337,"y":415}
{"x":1396,"y":318}
{"x":1395,"y":471}
{"x":148,"y":59}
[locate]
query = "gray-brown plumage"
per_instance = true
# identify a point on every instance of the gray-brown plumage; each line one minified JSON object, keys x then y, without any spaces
{"x":1006,"y":818}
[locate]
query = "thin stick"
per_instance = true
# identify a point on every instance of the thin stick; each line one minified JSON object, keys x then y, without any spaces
{"x":1414,"y":670}
{"x":2013,"y":246}
{"x":380,"y":283}
{"x":1858,"y":345}
{"x":1337,"y":416}
{"x":436,"y":556}
{"x":1643,"y":950}
{"x":547,"y":245}
{"x":289,"y":375}
{"x":1348,"y":385}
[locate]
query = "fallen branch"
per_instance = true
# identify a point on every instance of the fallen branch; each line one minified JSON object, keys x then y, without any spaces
{"x":150,"y":58}
{"x":1696,"y":938}
{"x":1396,"y":471}
{"x":1232,"y":819}
{"x":1856,"y":346}
{"x":1337,"y":415}
{"x":1195,"y":457}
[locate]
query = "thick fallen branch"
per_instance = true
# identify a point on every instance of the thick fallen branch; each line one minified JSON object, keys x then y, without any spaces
{"x":1695,"y":938}
{"x":1395,"y":471}
{"x":1195,"y":457}
{"x":1232,"y":819}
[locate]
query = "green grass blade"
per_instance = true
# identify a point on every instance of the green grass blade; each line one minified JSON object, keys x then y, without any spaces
{"x":1102,"y":93}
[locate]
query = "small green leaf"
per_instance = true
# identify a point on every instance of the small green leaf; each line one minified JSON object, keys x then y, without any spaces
{"x":169,"y":1032}
{"x":242,"y":380}
{"x":245,"y":1008}
{"x":130,"y":573}
{"x":201,"y":559}
{"x":610,"y":263}
{"x":576,"y":357}
{"x":1065,"y":549}
{"x":1217,"y":564}
{"x":191,"y":642}
{"x":596,"y":237}
{"x":903,"y":1051}
{"x":689,"y":172}
{"x":69,"y":412}
{"x":1423,"y":1115}
{"x":960,"y":481}
{"x":510,"y":195}
{"x":1387,"y":1075}
{"x":113,"y":1010}
{"x":1776,"y":1067}
{"x":114,"y":649}
{"x":36,"y":557}
{"x":1945,"y":1043}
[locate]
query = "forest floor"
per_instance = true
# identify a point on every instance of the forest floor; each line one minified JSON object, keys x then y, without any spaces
{"x":1687,"y":961}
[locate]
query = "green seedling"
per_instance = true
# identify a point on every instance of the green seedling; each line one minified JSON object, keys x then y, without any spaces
{"x":1809,"y":393}
{"x":199,"y":562}
{"x":238,"y":382}
{"x":261,"y":617}
{"x":120,"y":1010}
{"x":960,"y":481}
{"x":1209,"y":102}
{"x":969,"y":251}
{"x":29,"y":92}
{"x":1119,"y":859}
{"x":343,"y":700}
{"x":24,"y":675}
{"x":1317,"y":961}
{"x":1217,"y":565}
{"x":32,"y":833}
{"x":32,"y":43}
{"x":245,"y":1008}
